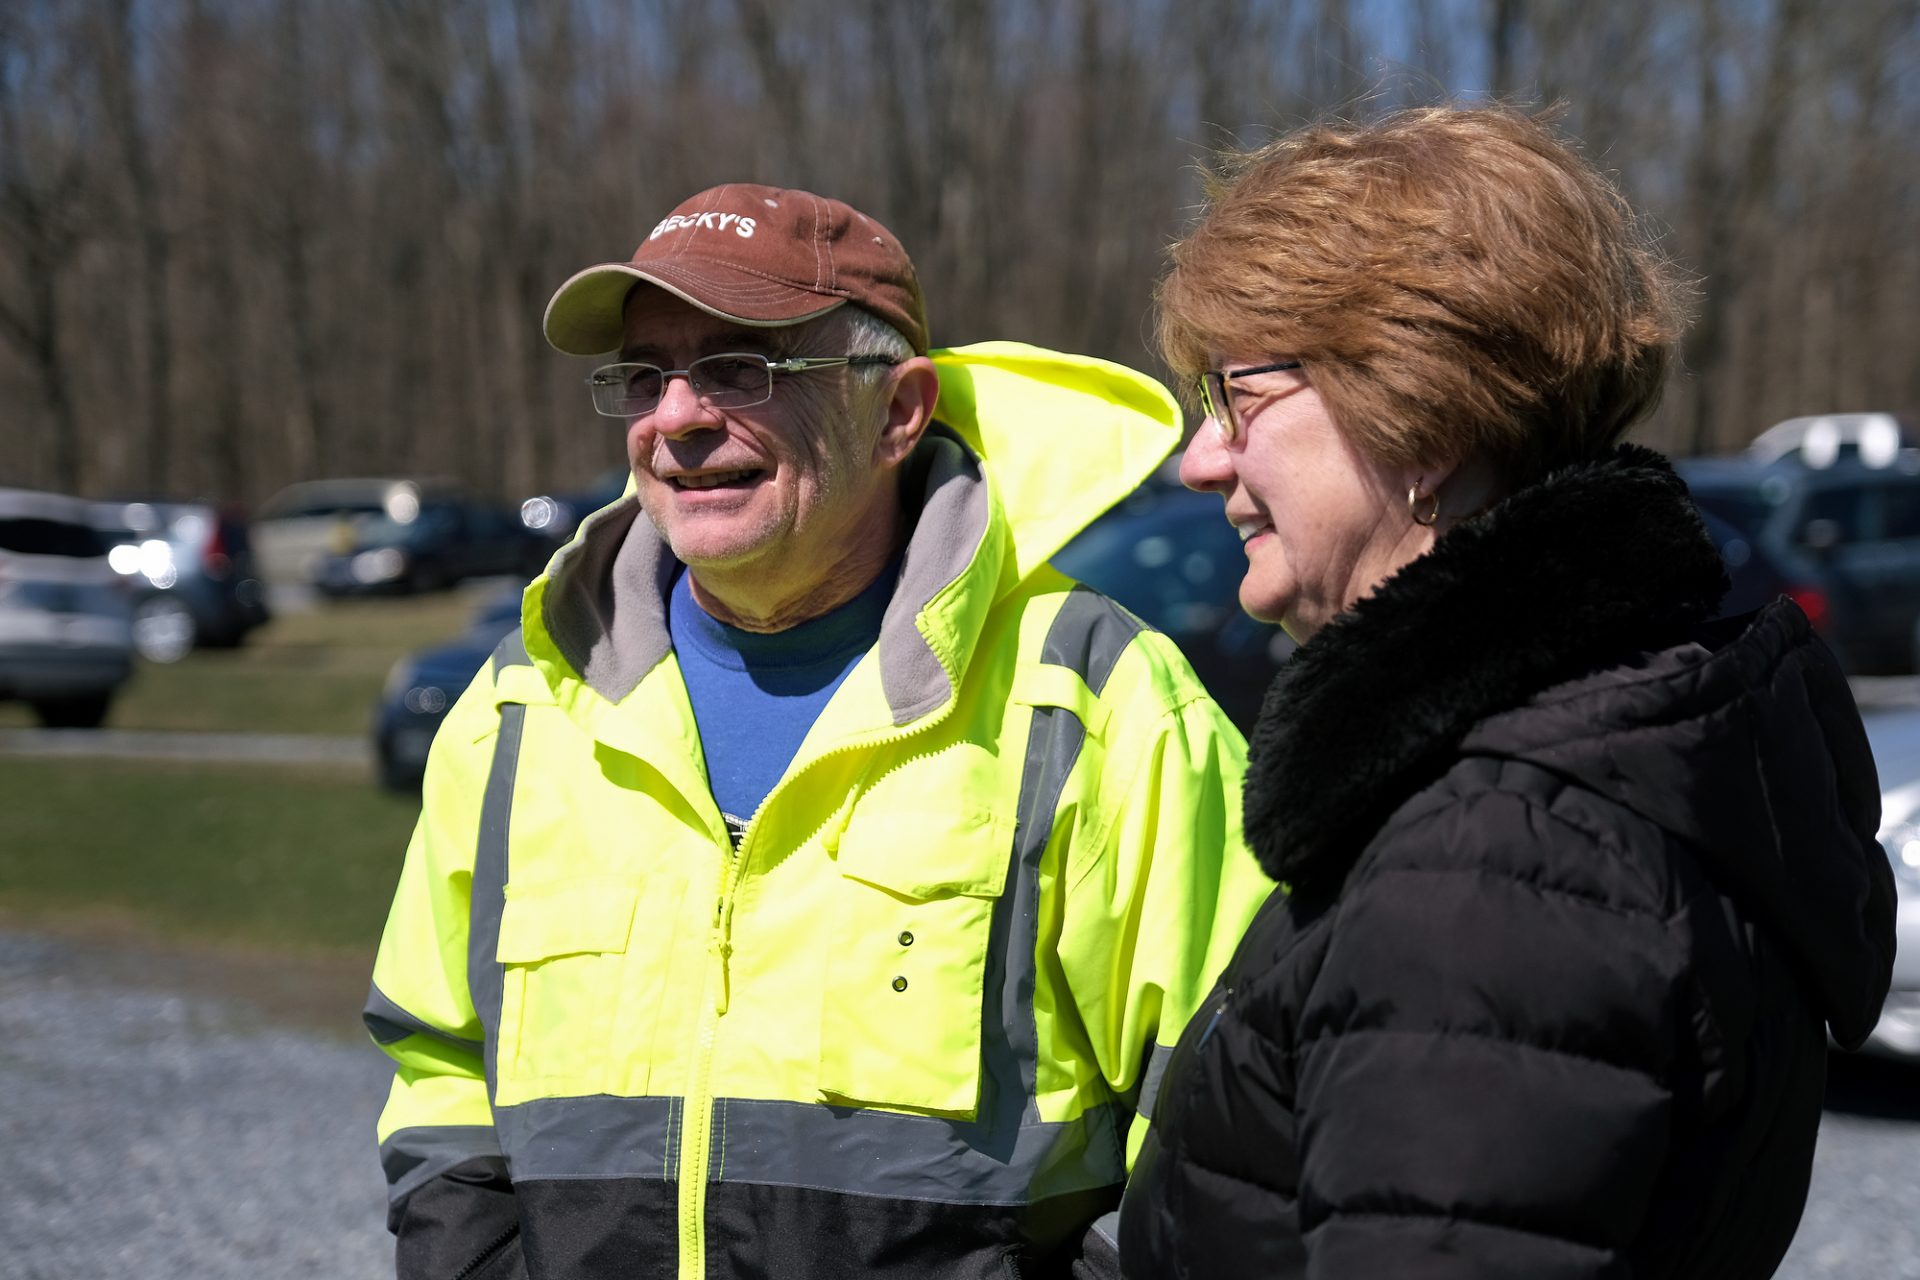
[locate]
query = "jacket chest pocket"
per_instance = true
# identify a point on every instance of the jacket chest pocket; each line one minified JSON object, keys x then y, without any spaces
{"x":907,"y":965}
{"x":564,"y":954}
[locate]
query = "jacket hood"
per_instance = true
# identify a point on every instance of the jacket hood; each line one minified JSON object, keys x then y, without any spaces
{"x":1565,"y":628}
{"x":1063,"y":437}
{"x":1027,"y":448}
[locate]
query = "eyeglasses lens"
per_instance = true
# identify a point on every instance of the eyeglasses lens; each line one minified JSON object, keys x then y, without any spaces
{"x":730,"y":379}
{"x":1213,"y":397}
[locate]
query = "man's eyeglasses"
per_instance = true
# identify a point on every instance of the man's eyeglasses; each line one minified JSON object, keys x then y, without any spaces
{"x":730,"y":379}
{"x":1216,"y":394}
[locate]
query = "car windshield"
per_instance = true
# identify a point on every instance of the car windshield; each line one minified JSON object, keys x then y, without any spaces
{"x":29,"y":536}
{"x":308,"y":510}
{"x":1746,"y":509}
{"x":384,"y":531}
{"x":1177,"y":563}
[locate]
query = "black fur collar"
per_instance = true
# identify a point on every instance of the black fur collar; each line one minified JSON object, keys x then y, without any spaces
{"x":1563,"y":578}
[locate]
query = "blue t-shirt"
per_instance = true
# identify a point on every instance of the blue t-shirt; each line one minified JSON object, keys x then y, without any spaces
{"x":755,"y":694}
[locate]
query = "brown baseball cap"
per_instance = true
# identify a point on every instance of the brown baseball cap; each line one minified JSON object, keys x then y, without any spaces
{"x":761,"y":256}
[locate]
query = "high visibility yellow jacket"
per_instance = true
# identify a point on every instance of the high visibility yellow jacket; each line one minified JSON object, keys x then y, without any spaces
{"x":912,"y":1024}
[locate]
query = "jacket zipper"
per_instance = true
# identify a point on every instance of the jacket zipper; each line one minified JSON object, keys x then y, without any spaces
{"x":1226,"y":998}
{"x":489,"y":1253}
{"x":696,"y":1147}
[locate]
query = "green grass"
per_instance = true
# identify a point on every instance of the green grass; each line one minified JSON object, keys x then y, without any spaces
{"x":314,"y":672}
{"x":293,"y":858}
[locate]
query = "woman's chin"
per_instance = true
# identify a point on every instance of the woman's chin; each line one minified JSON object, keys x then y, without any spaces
{"x":1262,"y":608}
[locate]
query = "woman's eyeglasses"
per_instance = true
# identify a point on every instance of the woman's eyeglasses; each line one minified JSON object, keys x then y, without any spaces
{"x":1215,"y":394}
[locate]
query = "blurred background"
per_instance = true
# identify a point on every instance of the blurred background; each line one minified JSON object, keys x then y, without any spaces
{"x":253,"y":241}
{"x":280,"y":441}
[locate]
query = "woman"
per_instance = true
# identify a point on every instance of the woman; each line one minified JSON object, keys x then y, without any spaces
{"x":1576,"y":884}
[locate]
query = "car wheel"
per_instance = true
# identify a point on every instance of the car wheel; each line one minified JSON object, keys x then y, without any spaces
{"x":73,"y":713}
{"x":163,"y":629}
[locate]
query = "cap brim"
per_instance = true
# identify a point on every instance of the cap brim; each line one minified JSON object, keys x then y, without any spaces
{"x":585,"y":316}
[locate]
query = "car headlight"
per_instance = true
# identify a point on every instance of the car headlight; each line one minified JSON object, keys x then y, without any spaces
{"x":539,"y":512}
{"x":383,"y":565}
{"x":425,"y":700}
{"x":1902,"y":843}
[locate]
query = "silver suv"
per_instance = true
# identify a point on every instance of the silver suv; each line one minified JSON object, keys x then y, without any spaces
{"x":66,"y":619}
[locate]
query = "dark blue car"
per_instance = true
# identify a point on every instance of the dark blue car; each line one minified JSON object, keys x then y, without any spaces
{"x":422,"y":686}
{"x":1846,"y":538}
{"x":1169,"y":555}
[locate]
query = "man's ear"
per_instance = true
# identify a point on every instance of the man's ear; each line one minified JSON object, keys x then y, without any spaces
{"x":916,"y":389}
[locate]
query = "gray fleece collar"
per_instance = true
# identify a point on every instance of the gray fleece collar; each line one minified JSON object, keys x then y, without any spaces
{"x":605,"y":603}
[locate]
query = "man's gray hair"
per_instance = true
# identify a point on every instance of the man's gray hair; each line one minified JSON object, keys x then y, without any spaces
{"x":869,"y":335}
{"x":848,"y":331}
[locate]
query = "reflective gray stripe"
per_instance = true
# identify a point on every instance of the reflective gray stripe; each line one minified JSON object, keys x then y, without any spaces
{"x":1011,"y":1043}
{"x":884,"y":1153}
{"x":1150,"y":1078}
{"x":390,"y":1024}
{"x":411,"y":1157}
{"x":1107,"y":1227}
{"x":597,"y":1136}
{"x":1089,"y":636}
{"x":485,"y":981}
{"x":804,"y":1144}
{"x":511,"y":651}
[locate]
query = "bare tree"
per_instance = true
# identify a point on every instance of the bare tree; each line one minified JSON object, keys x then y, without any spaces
{"x":43,"y":192}
{"x":118,"y":42}
{"x":317,"y":239}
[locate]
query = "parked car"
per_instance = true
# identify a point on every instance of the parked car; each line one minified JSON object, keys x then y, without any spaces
{"x":444,"y":541}
{"x":555,"y":516}
{"x":1756,"y":581}
{"x":303,"y":522}
{"x":66,"y":619}
{"x":190,"y":566}
{"x":1895,"y":736}
{"x":1847,"y":537}
{"x":422,"y":686}
{"x":1824,"y":439}
{"x":1169,"y":555}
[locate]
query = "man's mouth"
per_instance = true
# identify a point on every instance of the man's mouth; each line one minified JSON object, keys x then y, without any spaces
{"x":1251,"y":529}
{"x":715,"y":479}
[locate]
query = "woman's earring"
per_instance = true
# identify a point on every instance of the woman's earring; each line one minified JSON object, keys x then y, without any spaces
{"x":1415,"y":498}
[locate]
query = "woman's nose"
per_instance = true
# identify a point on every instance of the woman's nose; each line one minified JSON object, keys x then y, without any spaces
{"x":1205,"y":465}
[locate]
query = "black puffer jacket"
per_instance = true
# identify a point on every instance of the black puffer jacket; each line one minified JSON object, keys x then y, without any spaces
{"x":1579,"y":885}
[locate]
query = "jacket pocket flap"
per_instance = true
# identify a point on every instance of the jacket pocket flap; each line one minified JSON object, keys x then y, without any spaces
{"x":929,"y":855}
{"x":541,"y":921}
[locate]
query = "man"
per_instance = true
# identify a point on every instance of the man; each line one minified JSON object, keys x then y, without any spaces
{"x":812,"y":887}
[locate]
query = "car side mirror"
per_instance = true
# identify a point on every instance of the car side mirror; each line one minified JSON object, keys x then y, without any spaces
{"x":1821,"y":536}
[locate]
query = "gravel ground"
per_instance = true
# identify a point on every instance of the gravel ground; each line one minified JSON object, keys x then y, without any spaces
{"x":148,"y":1132}
{"x":1863,"y":1213}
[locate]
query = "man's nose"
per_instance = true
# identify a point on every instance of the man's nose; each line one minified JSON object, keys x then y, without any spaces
{"x":1205,"y":465}
{"x":680,"y":411}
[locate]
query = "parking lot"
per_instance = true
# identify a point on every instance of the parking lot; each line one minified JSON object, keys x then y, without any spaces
{"x":161,"y":1118}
